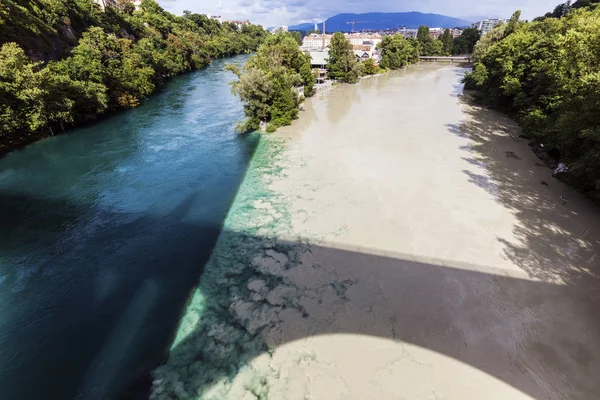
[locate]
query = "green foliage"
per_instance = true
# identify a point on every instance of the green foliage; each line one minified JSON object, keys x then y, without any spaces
{"x":297,"y":35}
{"x":397,"y":52}
{"x":113,"y":59}
{"x":369,"y":67}
{"x":423,"y":34}
{"x":465,"y":43}
{"x":428,"y":46}
{"x":447,"y":42}
{"x":548,"y":74}
{"x":342,"y":62}
{"x":267,"y":83}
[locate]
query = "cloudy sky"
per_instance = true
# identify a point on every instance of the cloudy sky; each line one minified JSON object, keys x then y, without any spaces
{"x":278,"y":12}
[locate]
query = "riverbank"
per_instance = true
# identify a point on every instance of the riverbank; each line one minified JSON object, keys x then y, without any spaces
{"x":395,"y":242}
{"x":23,"y":139}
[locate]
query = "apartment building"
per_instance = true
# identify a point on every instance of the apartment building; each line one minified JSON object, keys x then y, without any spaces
{"x":487,"y":24}
{"x":315,"y":41}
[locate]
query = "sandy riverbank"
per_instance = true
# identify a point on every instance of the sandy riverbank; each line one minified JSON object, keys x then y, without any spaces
{"x":396,"y":243}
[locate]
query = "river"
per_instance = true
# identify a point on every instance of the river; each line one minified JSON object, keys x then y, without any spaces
{"x":104,"y":234}
{"x":396,"y":242}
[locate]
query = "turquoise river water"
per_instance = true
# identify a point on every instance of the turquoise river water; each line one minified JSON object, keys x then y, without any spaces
{"x":104,"y":233}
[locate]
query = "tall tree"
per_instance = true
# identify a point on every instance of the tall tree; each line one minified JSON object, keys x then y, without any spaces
{"x":267,"y":83}
{"x":465,"y":43}
{"x":423,"y":34}
{"x":547,"y":73}
{"x":397,"y":52}
{"x":342,"y":62}
{"x":447,"y":41}
{"x":298,"y":36}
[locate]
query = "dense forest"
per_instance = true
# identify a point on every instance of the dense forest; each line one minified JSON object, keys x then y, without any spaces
{"x":547,"y":74}
{"x":67,"y":62}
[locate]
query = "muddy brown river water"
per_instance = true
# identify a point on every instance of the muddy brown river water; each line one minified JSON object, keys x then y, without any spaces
{"x":396,"y":242}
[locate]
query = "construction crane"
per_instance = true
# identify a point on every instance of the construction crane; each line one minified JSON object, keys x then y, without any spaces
{"x":357,"y":22}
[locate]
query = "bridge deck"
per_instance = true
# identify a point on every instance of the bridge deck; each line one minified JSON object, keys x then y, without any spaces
{"x":446,"y":58}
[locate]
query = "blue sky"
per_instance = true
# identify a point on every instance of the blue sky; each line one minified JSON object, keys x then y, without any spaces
{"x":278,"y":12}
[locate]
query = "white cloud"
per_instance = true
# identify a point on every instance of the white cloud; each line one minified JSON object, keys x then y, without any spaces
{"x":277,"y":12}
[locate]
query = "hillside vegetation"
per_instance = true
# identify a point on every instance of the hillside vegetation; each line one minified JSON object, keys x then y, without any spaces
{"x":64,"y":62}
{"x":547,"y":74}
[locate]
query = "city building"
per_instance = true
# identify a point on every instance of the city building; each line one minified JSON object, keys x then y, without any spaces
{"x":408,"y":33}
{"x":280,"y":28}
{"x":487,"y":24}
{"x":362,"y":55}
{"x":436,"y":32}
{"x":372,"y":39}
{"x":239,"y":24}
{"x":315,"y":41}
{"x":318,"y":62}
{"x":456,"y":32}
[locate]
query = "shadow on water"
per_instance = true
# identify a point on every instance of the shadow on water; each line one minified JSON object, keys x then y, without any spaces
{"x":112,"y":321}
{"x":537,"y":331}
{"x":472,"y":317}
{"x":555,"y":243}
{"x":522,"y":330}
{"x":103,"y":236}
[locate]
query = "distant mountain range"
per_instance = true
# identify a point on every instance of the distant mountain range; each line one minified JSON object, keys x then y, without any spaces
{"x":381,"y":21}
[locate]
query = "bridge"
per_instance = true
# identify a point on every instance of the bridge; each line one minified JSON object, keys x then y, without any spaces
{"x":450,"y":59}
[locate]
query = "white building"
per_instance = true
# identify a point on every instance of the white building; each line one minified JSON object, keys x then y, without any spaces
{"x":113,"y":3}
{"x":408,"y":33}
{"x":280,"y":28}
{"x":487,"y":24}
{"x":315,"y":41}
{"x":363,"y":38}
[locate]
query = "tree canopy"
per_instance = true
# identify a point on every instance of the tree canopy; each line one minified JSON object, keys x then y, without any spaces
{"x":465,"y":43}
{"x":65,"y":62}
{"x":397,"y":52}
{"x":427,"y":45}
{"x":547,"y":73}
{"x":342,"y":62}
{"x":267,"y":83}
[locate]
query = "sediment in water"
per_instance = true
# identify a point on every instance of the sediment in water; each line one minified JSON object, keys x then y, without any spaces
{"x":395,"y":242}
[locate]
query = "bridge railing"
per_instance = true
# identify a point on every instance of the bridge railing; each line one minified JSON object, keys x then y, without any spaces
{"x":451,"y":59}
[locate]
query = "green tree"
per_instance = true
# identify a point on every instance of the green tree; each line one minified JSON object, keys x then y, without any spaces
{"x":369,"y":67}
{"x":102,"y":60}
{"x":428,"y":46}
{"x":465,"y":43}
{"x":447,"y":42}
{"x":342,"y":62}
{"x":547,"y":73}
{"x":423,"y":35}
{"x":268,"y":83}
{"x":397,"y":52}
{"x":298,"y":36}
